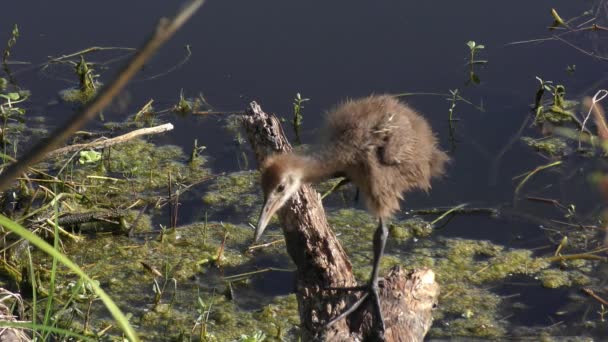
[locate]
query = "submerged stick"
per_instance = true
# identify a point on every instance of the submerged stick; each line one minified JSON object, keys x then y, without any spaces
{"x":164,"y":30}
{"x":107,"y":142}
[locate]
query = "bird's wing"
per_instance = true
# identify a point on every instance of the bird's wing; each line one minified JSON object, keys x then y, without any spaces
{"x":394,"y":145}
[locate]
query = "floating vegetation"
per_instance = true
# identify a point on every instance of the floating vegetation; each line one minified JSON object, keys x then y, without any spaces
{"x":238,"y":191}
{"x":406,"y":229}
{"x":87,"y":83}
{"x":185,"y":105}
{"x":467,"y":270}
{"x":560,"y":110}
{"x":178,"y":260}
{"x":552,"y":146}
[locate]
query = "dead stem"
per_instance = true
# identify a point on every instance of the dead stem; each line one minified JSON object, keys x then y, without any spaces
{"x":89,"y":50}
{"x":533,"y":172}
{"x":241,"y":276}
{"x":590,"y":292}
{"x":107,"y":142}
{"x":254,"y":247}
{"x":586,"y":256}
{"x":453,"y":210}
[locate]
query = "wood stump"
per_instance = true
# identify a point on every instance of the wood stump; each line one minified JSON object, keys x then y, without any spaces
{"x":407,"y":298}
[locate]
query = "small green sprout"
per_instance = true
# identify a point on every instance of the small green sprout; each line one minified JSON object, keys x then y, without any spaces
{"x":297,"y":115}
{"x":11,"y":42}
{"x":474,"y":48}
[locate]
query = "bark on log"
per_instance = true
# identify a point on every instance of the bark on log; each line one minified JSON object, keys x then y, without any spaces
{"x":406,"y":299}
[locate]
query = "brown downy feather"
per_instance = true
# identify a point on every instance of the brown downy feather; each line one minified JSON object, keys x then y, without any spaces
{"x":383,"y":146}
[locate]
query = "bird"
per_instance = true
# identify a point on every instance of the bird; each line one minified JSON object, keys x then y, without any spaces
{"x":381,"y":145}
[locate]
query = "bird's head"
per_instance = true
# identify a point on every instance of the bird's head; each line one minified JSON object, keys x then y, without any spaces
{"x":281,"y":178}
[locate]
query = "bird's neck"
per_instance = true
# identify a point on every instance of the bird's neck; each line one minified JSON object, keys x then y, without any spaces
{"x":315,"y":168}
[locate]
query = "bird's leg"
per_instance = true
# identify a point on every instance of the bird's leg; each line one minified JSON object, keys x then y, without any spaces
{"x":380,"y":237}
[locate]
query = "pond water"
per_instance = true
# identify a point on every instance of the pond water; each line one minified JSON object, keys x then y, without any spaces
{"x":268,"y":51}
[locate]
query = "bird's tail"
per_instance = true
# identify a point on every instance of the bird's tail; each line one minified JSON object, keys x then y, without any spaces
{"x":439,"y":160}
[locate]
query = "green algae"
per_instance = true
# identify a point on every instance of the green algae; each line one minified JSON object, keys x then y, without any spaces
{"x":136,"y":166}
{"x":466,"y":270}
{"x":177,"y":258}
{"x":238,"y":191}
{"x":413,"y":227}
{"x":556,"y":114}
{"x":555,"y":278}
{"x":76,"y":95}
{"x":553,"y":146}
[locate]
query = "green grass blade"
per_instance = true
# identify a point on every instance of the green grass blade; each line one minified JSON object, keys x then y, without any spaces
{"x":120,"y":318}
{"x":39,"y":327}
{"x":50,"y":297}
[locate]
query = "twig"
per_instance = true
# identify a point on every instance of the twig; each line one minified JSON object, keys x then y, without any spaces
{"x":587,"y":256}
{"x":173,"y":68}
{"x":164,"y":30}
{"x":533,"y":172}
{"x":595,"y":296}
{"x":458,"y":97}
{"x":590,"y":54}
{"x":452,"y":210}
{"x":336,"y":186}
{"x":211,"y":112}
{"x":236,"y":277}
{"x":88,"y":50}
{"x":254,"y":247}
{"x":105,"y":142}
{"x":456,"y":210}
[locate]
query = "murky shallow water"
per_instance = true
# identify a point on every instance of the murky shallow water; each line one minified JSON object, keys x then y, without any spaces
{"x":270,"y":50}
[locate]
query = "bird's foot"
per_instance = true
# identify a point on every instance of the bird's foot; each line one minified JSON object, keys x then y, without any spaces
{"x":371,"y":292}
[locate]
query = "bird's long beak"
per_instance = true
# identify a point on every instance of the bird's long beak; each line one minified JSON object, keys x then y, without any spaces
{"x":270,"y":207}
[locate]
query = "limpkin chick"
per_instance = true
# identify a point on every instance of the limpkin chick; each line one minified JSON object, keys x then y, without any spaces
{"x":378,"y":143}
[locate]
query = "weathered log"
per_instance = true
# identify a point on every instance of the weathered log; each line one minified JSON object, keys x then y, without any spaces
{"x":407,"y":299}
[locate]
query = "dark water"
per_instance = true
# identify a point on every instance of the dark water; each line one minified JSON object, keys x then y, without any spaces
{"x":270,"y":50}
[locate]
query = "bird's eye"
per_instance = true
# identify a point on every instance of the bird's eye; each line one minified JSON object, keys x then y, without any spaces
{"x":280,"y":188}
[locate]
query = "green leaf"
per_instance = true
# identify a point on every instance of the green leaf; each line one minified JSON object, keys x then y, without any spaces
{"x":13,"y":96}
{"x":479,"y":47}
{"x":87,"y":157}
{"x":10,"y":96}
{"x":471,"y":44}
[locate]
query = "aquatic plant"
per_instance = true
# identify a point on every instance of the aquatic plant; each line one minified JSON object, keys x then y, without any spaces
{"x":10,"y":44}
{"x":559,"y":111}
{"x":297,"y":115}
{"x":474,"y":49}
